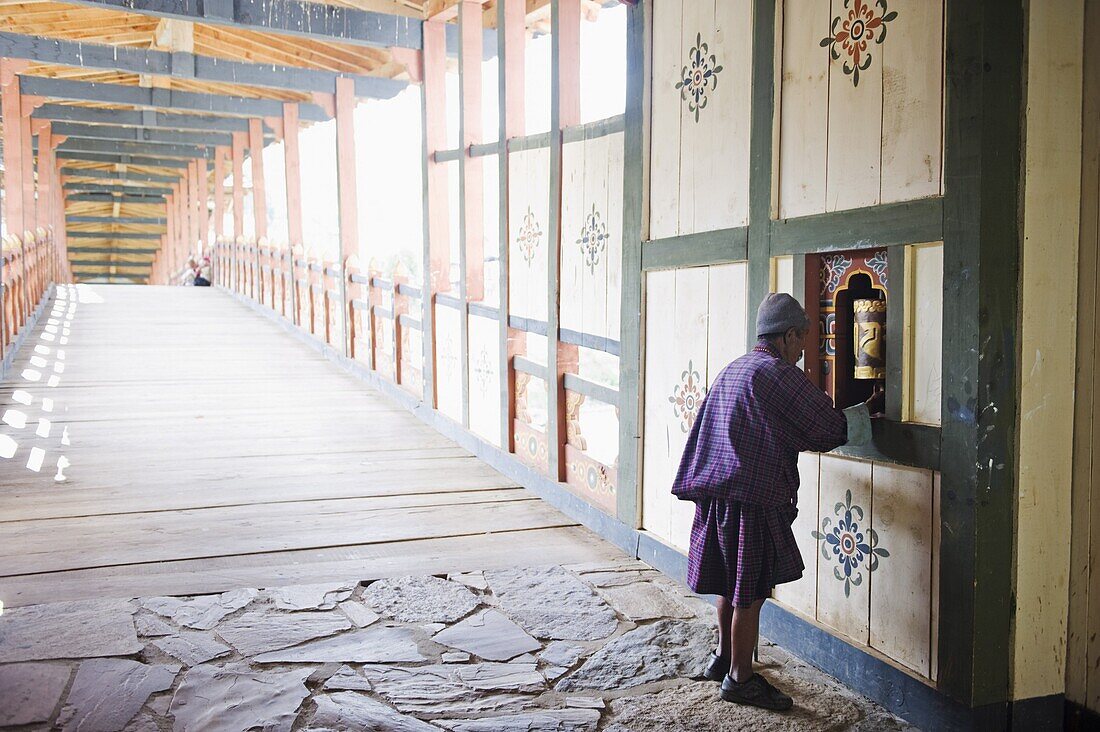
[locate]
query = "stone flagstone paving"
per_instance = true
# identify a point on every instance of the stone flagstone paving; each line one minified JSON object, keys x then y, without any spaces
{"x":580,"y":648}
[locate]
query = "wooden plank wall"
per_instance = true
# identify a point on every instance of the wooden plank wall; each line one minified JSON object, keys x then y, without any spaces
{"x":843,"y":144}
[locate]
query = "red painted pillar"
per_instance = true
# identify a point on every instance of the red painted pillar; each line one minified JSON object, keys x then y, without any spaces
{"x":435,"y":131}
{"x":259,"y":200}
{"x":293,"y":170}
{"x":10,"y":108}
{"x":473,"y":178}
{"x":219,"y":192}
{"x":238,"y":189}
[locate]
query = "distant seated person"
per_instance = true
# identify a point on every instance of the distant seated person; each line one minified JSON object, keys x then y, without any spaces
{"x":202,"y":273}
{"x":190,"y":272}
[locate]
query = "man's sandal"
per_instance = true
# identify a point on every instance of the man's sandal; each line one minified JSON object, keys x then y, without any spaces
{"x":757,"y":692}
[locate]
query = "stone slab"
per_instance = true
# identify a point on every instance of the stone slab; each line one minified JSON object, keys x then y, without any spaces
{"x":550,"y":602}
{"x":420,"y":599}
{"x":473,"y":580}
{"x":108,"y":692}
{"x":454,"y":657}
{"x":311,"y":597}
{"x":562,"y":653}
{"x":260,"y":631}
{"x":553,"y":720}
{"x":78,"y":629}
{"x":192,"y":647}
{"x":501,"y":676}
{"x":359,"y":613}
{"x":585,"y":702}
{"x":150,"y":626}
{"x":29,"y":692}
{"x":202,"y":612}
{"x":645,"y":601}
{"x":437,"y":690}
{"x":351,"y":711}
{"x":238,"y":698}
{"x":489,"y":635}
{"x":346,"y":679}
{"x":667,"y":649}
{"x":376,"y":644}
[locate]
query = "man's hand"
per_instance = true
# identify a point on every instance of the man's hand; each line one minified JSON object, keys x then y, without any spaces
{"x":876,"y":403}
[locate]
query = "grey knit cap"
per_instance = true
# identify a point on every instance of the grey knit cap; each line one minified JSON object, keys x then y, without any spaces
{"x":778,"y":312}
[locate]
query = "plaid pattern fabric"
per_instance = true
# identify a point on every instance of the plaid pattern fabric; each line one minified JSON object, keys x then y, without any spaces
{"x":740,"y":467}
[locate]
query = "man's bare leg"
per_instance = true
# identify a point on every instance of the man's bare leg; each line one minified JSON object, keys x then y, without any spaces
{"x":744,"y":631}
{"x":725,"y":627}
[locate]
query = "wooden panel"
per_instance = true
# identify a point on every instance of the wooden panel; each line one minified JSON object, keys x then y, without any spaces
{"x":518,"y":228}
{"x":688,"y":350}
{"x":783,"y":275}
{"x":664,"y":179}
{"x":615,"y":149}
{"x":855,"y":129}
{"x":491,"y":228}
{"x":843,"y":584}
{"x":901,"y":586}
{"x":529,"y":215}
{"x":912,"y":99}
{"x":484,"y":372}
{"x":573,"y":211}
{"x":448,"y":365}
{"x":591,"y":241}
{"x":727,"y":316}
{"x":924,"y":293}
{"x":934,"y":645}
{"x":660,"y":373}
{"x":802,"y":595}
{"x":804,"y":108}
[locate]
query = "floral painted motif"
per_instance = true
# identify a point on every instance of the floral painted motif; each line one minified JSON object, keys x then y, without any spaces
{"x":483,"y":370}
{"x":849,"y":545}
{"x":878,"y":264}
{"x":833,"y":269}
{"x":698,"y":77}
{"x":686,"y":397}
{"x":860,"y":25}
{"x":593,"y":239}
{"x":529,"y":236}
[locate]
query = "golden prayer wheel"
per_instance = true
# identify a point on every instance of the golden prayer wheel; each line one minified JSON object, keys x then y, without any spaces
{"x":869,"y":317}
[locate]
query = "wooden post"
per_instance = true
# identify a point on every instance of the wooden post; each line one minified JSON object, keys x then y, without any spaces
{"x":472,"y":180}
{"x":193,"y":206}
{"x":204,"y":211}
{"x":511,"y":39}
{"x":346,"y":187}
{"x":219,"y":192}
{"x":30,"y":205}
{"x":256,"y":150}
{"x":238,"y":189}
{"x":13,"y":148}
{"x":45,"y":191}
{"x":293,"y":169}
{"x":435,"y":131}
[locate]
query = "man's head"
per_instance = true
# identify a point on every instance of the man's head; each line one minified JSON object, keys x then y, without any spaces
{"x":783,"y":323}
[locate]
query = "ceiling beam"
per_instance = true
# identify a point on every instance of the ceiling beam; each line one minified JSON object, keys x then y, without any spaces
{"x":136,"y":96}
{"x":116,"y":219}
{"x":110,"y":235}
{"x":88,"y":263}
{"x":109,"y":250}
{"x":182,"y":65}
{"x":148,"y":149}
{"x":118,"y":175}
{"x":111,"y":198}
{"x":115,"y":159}
{"x":140,"y":134}
{"x":142,"y":118}
{"x":125,"y":190}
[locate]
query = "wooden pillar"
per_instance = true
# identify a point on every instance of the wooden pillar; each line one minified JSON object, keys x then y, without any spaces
{"x":472,"y":181}
{"x":167,"y":251}
{"x":256,"y":150}
{"x":564,"y":112}
{"x":511,"y":40}
{"x":219,"y":192}
{"x":193,"y":206}
{"x":435,"y":132}
{"x":30,"y":205}
{"x":13,"y":148}
{"x":293,"y":171}
{"x":346,"y":187}
{"x":238,"y":189}
{"x":204,"y":209}
{"x":45,"y":192}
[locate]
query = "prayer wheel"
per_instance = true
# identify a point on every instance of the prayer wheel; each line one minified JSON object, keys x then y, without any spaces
{"x":869,"y":317}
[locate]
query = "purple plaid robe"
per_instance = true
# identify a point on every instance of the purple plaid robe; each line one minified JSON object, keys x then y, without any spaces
{"x":740,"y":467}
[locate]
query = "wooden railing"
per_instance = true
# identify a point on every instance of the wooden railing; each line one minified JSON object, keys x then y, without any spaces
{"x":28,"y":267}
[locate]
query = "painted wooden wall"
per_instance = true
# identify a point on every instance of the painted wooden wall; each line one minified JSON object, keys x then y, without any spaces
{"x":924,"y":339}
{"x":591,"y":237}
{"x":528,"y":229}
{"x":485,"y":374}
{"x":861,"y":123}
{"x":448,"y":364}
{"x":695,"y":325}
{"x":867,"y":533}
{"x":699,"y":154}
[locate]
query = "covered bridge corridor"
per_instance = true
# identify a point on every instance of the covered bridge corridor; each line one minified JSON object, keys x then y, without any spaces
{"x":349,"y":348}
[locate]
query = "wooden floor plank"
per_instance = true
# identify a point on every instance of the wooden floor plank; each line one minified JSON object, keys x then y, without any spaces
{"x":206,"y":450}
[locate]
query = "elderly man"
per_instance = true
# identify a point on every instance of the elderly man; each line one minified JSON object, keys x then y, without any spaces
{"x":740,"y":467}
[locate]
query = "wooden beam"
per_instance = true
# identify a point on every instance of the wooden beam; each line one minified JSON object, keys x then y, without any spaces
{"x":136,"y":96}
{"x":107,"y":188}
{"x":118,"y":175}
{"x":259,"y":200}
{"x":149,"y":149}
{"x":117,"y":159}
{"x":185,"y":65}
{"x":151,"y":220}
{"x":112,"y":198}
{"x":111,"y":235}
{"x":110,"y":250}
{"x":293,"y":174}
{"x":141,"y":118}
{"x":139,"y":134}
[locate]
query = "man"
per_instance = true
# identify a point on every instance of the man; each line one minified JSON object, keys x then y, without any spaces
{"x":740,"y":467}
